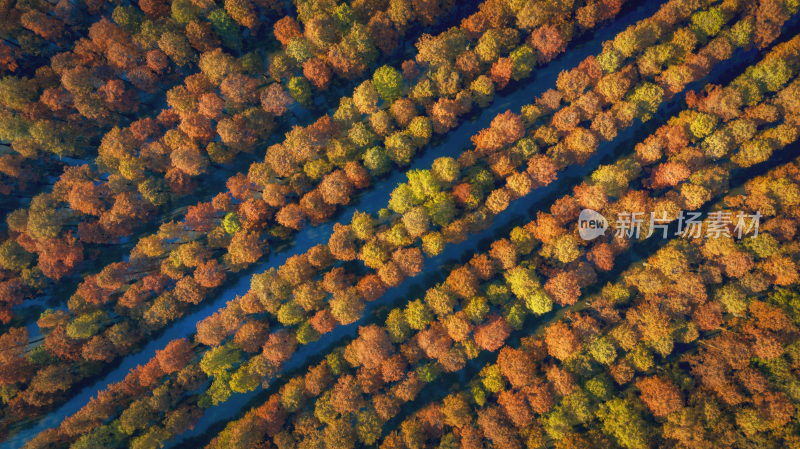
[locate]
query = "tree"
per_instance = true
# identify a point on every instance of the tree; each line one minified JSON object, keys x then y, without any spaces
{"x":220,"y":360}
{"x":51,"y":379}
{"x":492,"y":335}
{"x":661,"y":396}
{"x":523,"y":60}
{"x":226,"y":28}
{"x":496,"y":429}
{"x":622,"y":422}
{"x":388,"y":82}
{"x":245,"y":248}
{"x":515,"y":407}
{"x":397,"y":326}
{"x":14,"y":366}
{"x":137,"y":416}
{"x":506,"y":128}
{"x":290,"y":314}
{"x":563,"y":288}
{"x":296,"y":270}
{"x":347,"y":306}
{"x":417,"y":315}
{"x":542,"y":170}
{"x":462,"y":282}
{"x":368,"y":427}
{"x":280,"y":346}
{"x":251,"y":336}
{"x":318,"y":72}
{"x":377,"y":161}
{"x":323,"y":321}
{"x":291,"y":216}
{"x":440,"y":300}
{"x":275,"y":100}
{"x":517,"y":366}
{"x":14,"y":257}
{"x":561,"y":341}
{"x":300,"y":90}
{"x":175,"y":356}
{"x":336,"y":188}
{"x":346,"y":395}
{"x":603,"y":351}
{"x":408,"y":261}
{"x":339,"y":433}
{"x":365,"y":98}
{"x":444,"y":114}
{"x":373,"y":346}
{"x":458,"y":326}
{"x":209,"y":274}
{"x":342,"y":243}
{"x":86,"y":325}
{"x":285,"y":29}
{"x":403,"y":111}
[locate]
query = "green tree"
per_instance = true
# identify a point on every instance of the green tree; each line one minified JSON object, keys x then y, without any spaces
{"x":218,"y":392}
{"x":603,"y":351}
{"x":397,"y":326}
{"x":388,"y":82}
{"x":377,"y":161}
{"x":477,"y":308}
{"x":526,"y":286}
{"x":14,"y":257}
{"x":220,"y":360}
{"x":647,"y":97}
{"x":246,"y":378}
{"x":226,"y":28}
{"x":492,"y":379}
{"x":129,"y":18}
{"x":624,"y":423}
{"x":137,"y":416}
{"x":105,"y":436}
{"x":363,"y":225}
{"x":418,"y":315}
{"x":368,"y":427}
{"x":401,"y":199}
{"x":300,"y":90}
{"x":523,"y":59}
{"x":231,"y":223}
{"x":709,"y":22}
{"x":427,"y":372}
{"x":446,"y":170}
{"x":400,"y":148}
{"x":442,"y":208}
{"x":306,"y":334}
{"x":290,"y":314}
{"x":86,"y":325}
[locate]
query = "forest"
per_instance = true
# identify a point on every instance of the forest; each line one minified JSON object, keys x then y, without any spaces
{"x":399,"y":224}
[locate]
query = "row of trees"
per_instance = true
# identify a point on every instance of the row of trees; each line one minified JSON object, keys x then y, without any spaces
{"x":538,"y":386}
{"x":88,"y":208}
{"x":237,"y":378}
{"x":84,"y":74}
{"x":149,"y":301}
{"x":146,"y":166}
{"x":80,"y":102}
{"x":686,"y":334}
{"x":619,"y":380}
{"x":96,"y":215}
